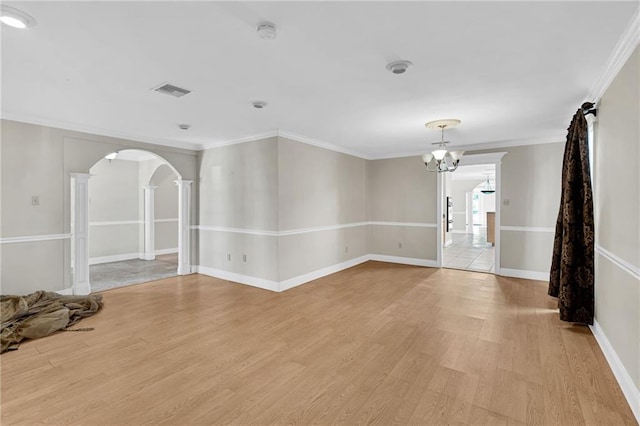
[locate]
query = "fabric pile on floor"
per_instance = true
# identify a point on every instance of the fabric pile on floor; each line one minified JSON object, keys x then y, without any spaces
{"x":41,"y":313}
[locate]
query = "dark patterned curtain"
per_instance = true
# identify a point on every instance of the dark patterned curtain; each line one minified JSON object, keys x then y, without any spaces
{"x":571,"y":279}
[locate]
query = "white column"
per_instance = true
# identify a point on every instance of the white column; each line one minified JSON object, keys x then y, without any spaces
{"x":469,"y":215}
{"x":149,"y":223}
{"x":439,"y":211}
{"x":80,"y":232}
{"x":184,"y":226}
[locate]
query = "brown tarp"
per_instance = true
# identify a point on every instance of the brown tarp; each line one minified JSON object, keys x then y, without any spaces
{"x":40,"y":314}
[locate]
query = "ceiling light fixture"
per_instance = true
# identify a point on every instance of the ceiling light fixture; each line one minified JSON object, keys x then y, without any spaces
{"x":442,"y":160}
{"x":488,"y":189}
{"x":259,"y":104}
{"x":399,"y":67}
{"x":111,"y":156}
{"x":16,"y":18}
{"x":184,"y":126}
{"x":267,"y":31}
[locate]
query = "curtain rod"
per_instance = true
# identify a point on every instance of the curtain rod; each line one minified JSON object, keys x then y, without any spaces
{"x":588,"y":108}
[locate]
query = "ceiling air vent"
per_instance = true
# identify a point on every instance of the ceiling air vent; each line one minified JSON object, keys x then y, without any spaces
{"x":170,"y":89}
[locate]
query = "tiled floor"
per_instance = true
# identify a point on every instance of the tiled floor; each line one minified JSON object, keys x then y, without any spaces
{"x":119,"y":274}
{"x":470,"y":252}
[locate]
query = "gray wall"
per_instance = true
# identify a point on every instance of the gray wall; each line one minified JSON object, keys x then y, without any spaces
{"x":617,"y":214}
{"x":37,"y":160}
{"x":165,"y":208}
{"x":400,"y":190}
{"x":255,"y":194}
{"x":239,"y":191}
{"x":318,"y":188}
{"x":531,"y":182}
{"x":114,"y":196}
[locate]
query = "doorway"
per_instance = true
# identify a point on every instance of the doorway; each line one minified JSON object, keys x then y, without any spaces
{"x":130,"y":222}
{"x":470,"y":211}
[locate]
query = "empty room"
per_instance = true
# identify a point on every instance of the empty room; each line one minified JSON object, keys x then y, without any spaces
{"x":320,"y":212}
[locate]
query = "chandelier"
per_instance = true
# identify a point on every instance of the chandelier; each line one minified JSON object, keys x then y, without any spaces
{"x":441,"y":160}
{"x":488,"y":189}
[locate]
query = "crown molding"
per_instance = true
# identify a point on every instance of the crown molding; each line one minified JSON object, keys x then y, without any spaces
{"x":259,"y":136}
{"x":244,"y":139}
{"x":289,"y":135}
{"x":624,"y":48}
{"x":65,"y":125}
{"x":321,"y":144}
{"x":477,"y":147}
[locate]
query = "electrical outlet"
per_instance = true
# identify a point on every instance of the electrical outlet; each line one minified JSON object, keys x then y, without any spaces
{"x":506,"y":202}
{"x":35,"y":200}
{"x":244,"y":257}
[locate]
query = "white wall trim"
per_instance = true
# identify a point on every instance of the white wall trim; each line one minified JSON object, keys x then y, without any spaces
{"x":630,"y":391}
{"x":634,"y":271}
{"x":166,"y":220}
{"x":305,"y":278}
{"x":520,"y":273}
{"x":624,"y":48}
{"x":321,"y":228}
{"x":34,"y":238}
{"x":404,"y":260}
{"x":65,"y":292}
{"x":477,"y":159}
{"x":308,"y":230}
{"x":236,"y":141}
{"x":321,"y":144}
{"x":114,"y":258}
{"x":409,"y":224}
{"x":167,"y":251}
{"x":528,"y":229}
{"x":236,"y":230}
{"x":67,"y":125}
{"x":237,"y":278}
{"x":116,"y":222}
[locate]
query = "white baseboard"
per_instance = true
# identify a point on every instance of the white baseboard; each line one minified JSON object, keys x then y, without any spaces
{"x":520,"y":273}
{"x":305,"y":278}
{"x":147,"y":256}
{"x":629,"y":389}
{"x":114,"y":258}
{"x":237,"y":278}
{"x":66,"y":292}
{"x":129,"y":256}
{"x":404,"y":260}
{"x":167,"y":251}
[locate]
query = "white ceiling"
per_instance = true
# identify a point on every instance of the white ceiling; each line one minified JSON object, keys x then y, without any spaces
{"x":513,"y":72}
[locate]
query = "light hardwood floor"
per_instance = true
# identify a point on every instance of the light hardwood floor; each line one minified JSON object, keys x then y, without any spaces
{"x":378,"y":343}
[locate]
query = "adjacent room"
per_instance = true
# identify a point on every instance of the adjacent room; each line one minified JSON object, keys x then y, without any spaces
{"x":306,"y":212}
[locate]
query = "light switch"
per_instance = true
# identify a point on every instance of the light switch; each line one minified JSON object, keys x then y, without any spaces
{"x":35,"y":200}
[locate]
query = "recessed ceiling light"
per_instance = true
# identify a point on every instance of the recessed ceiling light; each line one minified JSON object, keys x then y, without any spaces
{"x":16,"y":18}
{"x":267,"y":31}
{"x":184,"y":126}
{"x":259,"y":104}
{"x":399,"y":67}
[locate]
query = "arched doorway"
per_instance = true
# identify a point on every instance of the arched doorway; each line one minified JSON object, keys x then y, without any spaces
{"x":143,"y":169}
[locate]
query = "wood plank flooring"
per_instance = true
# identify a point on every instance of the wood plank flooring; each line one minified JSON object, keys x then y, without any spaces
{"x":376,"y":344}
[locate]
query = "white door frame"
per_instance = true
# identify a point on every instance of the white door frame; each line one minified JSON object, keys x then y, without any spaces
{"x":80,"y":229}
{"x":471,"y":160}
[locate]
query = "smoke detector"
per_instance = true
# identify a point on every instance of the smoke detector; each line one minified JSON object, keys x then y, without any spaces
{"x":267,"y":31}
{"x":399,"y":67}
{"x":259,"y":104}
{"x":184,"y":126}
